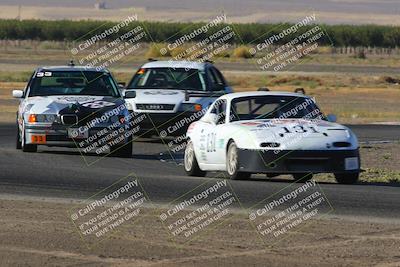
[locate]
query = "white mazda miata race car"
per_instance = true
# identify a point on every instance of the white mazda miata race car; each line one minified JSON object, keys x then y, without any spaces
{"x":273,"y":133}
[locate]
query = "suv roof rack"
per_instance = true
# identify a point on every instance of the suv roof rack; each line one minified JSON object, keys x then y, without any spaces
{"x":263,"y":89}
{"x":151,"y":59}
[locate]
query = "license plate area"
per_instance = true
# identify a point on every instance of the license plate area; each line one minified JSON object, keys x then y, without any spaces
{"x":38,"y":139}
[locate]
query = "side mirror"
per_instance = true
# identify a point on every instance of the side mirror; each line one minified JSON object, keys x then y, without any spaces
{"x":300,"y":91}
{"x":331,"y":117}
{"x":219,"y":87}
{"x":121,"y":85}
{"x":130,"y":94}
{"x":18,"y":93}
{"x":210,"y":118}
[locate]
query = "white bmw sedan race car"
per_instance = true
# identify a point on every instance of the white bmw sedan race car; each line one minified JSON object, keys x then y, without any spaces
{"x":273,"y":133}
{"x":73,"y":106}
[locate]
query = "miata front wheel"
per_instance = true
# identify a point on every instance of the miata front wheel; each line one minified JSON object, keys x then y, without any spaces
{"x":232,"y":164}
{"x":190,"y":162}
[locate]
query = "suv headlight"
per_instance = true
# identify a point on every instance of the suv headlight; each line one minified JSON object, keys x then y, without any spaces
{"x":191,"y":107}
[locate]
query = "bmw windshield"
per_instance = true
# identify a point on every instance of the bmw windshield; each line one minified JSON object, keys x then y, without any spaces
{"x":168,"y":78}
{"x":94,"y":83}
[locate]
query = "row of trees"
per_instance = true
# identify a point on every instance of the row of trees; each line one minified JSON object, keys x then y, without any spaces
{"x":251,"y":33}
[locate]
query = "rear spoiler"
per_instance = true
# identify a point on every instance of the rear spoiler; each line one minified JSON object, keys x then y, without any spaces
{"x":203,"y":94}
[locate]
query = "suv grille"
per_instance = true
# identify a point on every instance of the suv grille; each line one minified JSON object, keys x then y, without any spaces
{"x":155,"y":106}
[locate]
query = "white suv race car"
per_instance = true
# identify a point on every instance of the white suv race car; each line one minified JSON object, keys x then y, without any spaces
{"x":173,"y":94}
{"x":273,"y":133}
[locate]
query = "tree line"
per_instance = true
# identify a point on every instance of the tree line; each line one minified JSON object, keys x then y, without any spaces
{"x":247,"y":33}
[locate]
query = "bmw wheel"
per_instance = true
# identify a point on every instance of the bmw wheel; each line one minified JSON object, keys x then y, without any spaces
{"x":190,"y":162}
{"x":232,"y":164}
{"x":18,"y":144}
{"x":27,"y":147}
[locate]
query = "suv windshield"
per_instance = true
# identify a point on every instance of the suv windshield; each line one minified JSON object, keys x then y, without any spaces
{"x":274,"y":107}
{"x":48,"y":83}
{"x":168,"y":78}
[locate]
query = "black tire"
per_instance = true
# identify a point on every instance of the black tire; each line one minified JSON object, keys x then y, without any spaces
{"x":27,"y":147}
{"x":123,"y":151}
{"x":191,"y":165}
{"x":232,"y":164}
{"x":347,"y":178}
{"x":18,"y":144}
{"x":302,"y":177}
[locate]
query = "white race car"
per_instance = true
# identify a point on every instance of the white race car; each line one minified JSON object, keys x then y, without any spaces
{"x":173,"y":94}
{"x":273,"y":133}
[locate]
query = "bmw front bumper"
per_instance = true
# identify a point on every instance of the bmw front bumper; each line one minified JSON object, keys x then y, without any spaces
{"x":56,"y":136}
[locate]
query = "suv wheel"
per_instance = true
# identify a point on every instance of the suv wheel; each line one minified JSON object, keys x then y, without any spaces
{"x":302,"y":177}
{"x":347,"y":178}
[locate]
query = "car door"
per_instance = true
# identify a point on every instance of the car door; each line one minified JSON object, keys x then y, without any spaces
{"x":214,"y":134}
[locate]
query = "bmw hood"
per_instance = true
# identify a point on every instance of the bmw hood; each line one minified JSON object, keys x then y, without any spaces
{"x":82,"y":108}
{"x":74,"y":104}
{"x":295,"y":134}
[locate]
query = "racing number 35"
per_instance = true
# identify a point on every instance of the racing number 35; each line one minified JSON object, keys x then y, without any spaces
{"x":211,"y":142}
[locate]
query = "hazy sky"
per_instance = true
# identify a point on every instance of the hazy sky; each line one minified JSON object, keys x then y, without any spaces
{"x":235,"y":6}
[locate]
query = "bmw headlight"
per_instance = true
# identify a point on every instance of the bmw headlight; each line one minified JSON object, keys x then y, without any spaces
{"x":42,"y":118}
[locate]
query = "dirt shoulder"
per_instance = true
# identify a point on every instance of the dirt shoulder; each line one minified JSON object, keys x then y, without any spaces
{"x":39,"y":233}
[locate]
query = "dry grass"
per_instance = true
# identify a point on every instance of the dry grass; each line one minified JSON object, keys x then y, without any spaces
{"x":354,"y":99}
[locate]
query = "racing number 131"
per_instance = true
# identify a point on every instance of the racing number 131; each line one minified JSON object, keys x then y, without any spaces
{"x":211,"y":142}
{"x":300,"y":129}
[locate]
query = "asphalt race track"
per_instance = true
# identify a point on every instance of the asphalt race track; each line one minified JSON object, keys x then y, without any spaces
{"x":58,"y":172}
